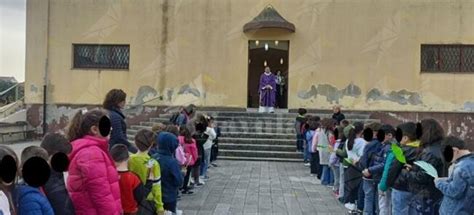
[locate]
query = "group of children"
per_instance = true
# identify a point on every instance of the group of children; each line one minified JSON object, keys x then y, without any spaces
{"x":102,"y":179}
{"x":376,"y":168}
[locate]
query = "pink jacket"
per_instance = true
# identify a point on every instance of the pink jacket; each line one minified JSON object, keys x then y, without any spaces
{"x":93,"y":181}
{"x":189,"y":149}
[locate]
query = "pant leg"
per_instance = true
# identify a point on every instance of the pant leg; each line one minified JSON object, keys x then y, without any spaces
{"x":360,"y":197}
{"x":341,"y":180}
{"x":170,"y":206}
{"x":335,"y":170}
{"x":325,"y":175}
{"x":331,"y":176}
{"x":306,"y":151}
{"x":385,"y":203}
{"x":400,"y":202}
{"x":186,"y":178}
{"x":206,"y":161}
{"x":314,"y":163}
{"x":196,"y":171}
{"x":370,"y":195}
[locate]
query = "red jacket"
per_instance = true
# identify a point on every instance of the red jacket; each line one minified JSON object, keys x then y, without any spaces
{"x":189,"y":149}
{"x":93,"y":181}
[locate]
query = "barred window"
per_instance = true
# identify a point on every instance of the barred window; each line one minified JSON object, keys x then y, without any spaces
{"x":99,"y":56}
{"x":447,"y":58}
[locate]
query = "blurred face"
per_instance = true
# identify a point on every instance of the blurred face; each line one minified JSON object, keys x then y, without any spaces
{"x":405,"y":140}
{"x":96,"y":132}
{"x":388,"y":137}
{"x":122,"y":104}
{"x":267,"y":69}
{"x":336,"y":109}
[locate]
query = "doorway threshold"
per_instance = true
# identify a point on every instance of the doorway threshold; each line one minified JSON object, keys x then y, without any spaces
{"x":277,"y":110}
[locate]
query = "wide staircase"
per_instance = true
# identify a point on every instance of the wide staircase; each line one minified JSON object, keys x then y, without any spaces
{"x":253,"y":136}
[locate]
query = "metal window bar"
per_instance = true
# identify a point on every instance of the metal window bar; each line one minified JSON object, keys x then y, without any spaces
{"x":101,"y":56}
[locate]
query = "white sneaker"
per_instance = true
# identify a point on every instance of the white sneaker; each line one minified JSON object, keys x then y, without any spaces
{"x":350,"y":206}
{"x":307,"y":164}
{"x":179,"y":212}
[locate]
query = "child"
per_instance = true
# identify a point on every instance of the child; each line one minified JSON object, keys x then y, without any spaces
{"x":147,"y":168}
{"x":299,"y":122}
{"x":322,"y":141}
{"x":30,"y":200}
{"x":354,"y":147}
{"x":313,"y":125}
{"x":215,"y":146}
{"x":55,"y":188}
{"x":375,"y":169}
{"x":334,"y":161}
{"x":93,"y":180}
{"x":157,"y":128}
{"x":307,"y":151}
{"x":369,"y":185}
{"x":9,"y":160}
{"x":458,"y":189}
{"x":190,"y":149}
{"x":132,"y":191}
{"x":395,"y":176}
{"x":211,"y":133}
{"x":427,"y":198}
{"x":171,"y":176}
{"x":201,"y":137}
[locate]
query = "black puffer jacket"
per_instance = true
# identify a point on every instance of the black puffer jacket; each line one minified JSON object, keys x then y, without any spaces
{"x":397,"y":175}
{"x":420,"y":183}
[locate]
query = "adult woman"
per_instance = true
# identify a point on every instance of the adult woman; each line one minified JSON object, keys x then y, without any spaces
{"x":114,"y":103}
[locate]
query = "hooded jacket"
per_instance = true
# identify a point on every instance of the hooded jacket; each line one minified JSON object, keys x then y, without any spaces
{"x":171,"y":177}
{"x":30,"y":201}
{"x":397,"y":175}
{"x":93,"y":181}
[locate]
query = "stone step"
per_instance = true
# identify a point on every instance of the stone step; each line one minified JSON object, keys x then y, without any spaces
{"x":259,"y":159}
{"x":257,"y":147}
{"x":262,"y":120}
{"x":241,"y":124}
{"x":258,"y":135}
{"x":267,"y":141}
{"x":238,"y":129}
{"x":260,"y":154}
{"x":219,"y":114}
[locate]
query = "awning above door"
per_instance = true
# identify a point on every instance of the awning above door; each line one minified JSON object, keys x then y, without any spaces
{"x":269,"y":18}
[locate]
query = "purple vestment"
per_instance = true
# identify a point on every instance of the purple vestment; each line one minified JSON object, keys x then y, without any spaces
{"x":267,"y":96}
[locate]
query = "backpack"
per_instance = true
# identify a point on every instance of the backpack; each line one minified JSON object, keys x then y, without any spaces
{"x":174,"y":117}
{"x":180,"y":155}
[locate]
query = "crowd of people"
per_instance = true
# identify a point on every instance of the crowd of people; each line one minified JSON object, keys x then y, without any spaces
{"x":376,"y":168}
{"x":94,"y":169}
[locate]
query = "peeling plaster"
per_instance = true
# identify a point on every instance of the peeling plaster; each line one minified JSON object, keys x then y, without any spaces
{"x":331,"y":93}
{"x":469,"y":106}
{"x":33,"y":88}
{"x":402,"y":97}
{"x":186,"y":89}
{"x":145,"y":92}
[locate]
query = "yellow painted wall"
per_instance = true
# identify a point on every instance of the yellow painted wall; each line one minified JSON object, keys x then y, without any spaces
{"x":364,"y":44}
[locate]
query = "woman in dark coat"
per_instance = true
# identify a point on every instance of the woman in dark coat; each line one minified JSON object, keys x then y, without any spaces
{"x":114,"y":103}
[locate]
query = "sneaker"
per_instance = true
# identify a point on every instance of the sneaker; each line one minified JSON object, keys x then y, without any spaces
{"x":200,"y":184}
{"x":307,"y":164}
{"x":187,"y":192}
{"x":179,"y":212}
{"x":214,"y":165}
{"x":350,"y":206}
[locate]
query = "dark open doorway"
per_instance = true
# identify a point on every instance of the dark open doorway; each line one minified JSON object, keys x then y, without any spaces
{"x":271,"y":53}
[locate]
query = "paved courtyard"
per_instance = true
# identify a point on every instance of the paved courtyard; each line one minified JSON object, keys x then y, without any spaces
{"x":246,"y":187}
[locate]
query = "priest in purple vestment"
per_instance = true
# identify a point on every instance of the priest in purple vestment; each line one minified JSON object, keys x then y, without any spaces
{"x":267,"y":90}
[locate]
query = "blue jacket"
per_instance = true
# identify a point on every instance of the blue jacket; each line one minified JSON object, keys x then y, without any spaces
{"x":55,"y":190}
{"x":171,"y":177}
{"x":30,"y":201}
{"x":309,"y":138}
{"x":378,"y":161}
{"x":118,"y":134}
{"x":458,"y":189}
{"x":370,"y":151}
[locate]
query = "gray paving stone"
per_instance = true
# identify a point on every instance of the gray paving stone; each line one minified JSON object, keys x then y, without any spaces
{"x":246,"y":187}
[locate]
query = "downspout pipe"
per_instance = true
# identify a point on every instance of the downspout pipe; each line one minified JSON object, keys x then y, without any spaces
{"x":46,"y":68}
